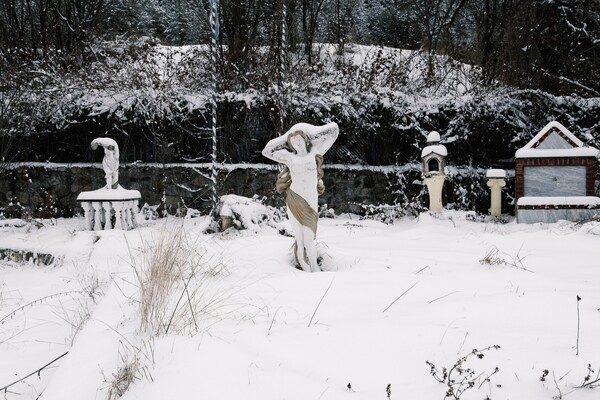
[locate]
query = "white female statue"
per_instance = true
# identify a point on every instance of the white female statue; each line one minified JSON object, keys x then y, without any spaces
{"x":301,"y":149}
{"x":110,"y":162}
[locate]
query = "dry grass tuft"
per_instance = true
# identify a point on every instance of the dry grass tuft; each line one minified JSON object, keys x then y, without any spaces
{"x":123,"y":378}
{"x":176,"y":281}
{"x":496,"y":257}
{"x":130,"y":368}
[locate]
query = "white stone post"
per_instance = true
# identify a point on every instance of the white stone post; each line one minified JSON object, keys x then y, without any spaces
{"x":435,"y":184}
{"x":496,"y":181}
{"x":106,"y":205}
{"x":127,"y":214}
{"x":118,"y":207}
{"x":97,"y":215}
{"x":88,"y":212}
{"x":134,"y":213}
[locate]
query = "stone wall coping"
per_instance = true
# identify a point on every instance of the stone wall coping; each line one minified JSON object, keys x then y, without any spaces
{"x":254,"y":166}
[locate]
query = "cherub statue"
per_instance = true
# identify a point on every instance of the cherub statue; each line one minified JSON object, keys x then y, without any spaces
{"x":301,"y":149}
{"x":110,"y":162}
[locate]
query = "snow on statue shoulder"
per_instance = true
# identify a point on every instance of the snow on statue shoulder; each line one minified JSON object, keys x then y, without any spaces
{"x":301,"y":149}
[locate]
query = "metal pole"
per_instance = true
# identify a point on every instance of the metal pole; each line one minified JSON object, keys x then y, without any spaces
{"x":214,"y":25}
{"x":282,"y":56}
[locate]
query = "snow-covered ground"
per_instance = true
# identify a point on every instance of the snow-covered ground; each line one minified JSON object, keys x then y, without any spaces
{"x":391,"y":298}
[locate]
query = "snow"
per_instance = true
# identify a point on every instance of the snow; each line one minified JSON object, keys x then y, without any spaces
{"x":559,"y":201}
{"x":496,"y":173}
{"x":433,"y":137}
{"x":391,"y":297}
{"x":104,"y":141}
{"x":248,"y":212}
{"x":105,"y":194}
{"x":439,"y":149}
{"x":552,"y":153}
{"x":529,"y":151}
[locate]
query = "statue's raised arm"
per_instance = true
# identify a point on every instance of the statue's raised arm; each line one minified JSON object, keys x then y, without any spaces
{"x":321,"y":137}
{"x":278,"y":150}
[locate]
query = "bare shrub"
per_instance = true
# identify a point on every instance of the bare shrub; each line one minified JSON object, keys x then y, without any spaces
{"x":496,"y":257}
{"x":175,"y":278}
{"x":462,"y":377}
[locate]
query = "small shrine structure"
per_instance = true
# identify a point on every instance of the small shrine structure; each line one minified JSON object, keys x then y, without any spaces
{"x":554,"y":176}
{"x":110,"y":207}
{"x":434,"y":164}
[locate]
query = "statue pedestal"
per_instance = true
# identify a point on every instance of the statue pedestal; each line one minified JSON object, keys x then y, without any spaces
{"x":435,"y":183}
{"x":103,"y":206}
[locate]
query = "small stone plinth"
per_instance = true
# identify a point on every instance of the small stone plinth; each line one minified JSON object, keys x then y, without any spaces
{"x":103,"y":206}
{"x":496,"y":181}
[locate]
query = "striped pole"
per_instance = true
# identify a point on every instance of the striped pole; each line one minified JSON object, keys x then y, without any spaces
{"x":214,"y":25}
{"x":282,"y":54}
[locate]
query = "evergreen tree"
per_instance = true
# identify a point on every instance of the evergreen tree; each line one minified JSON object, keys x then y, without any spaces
{"x":390,"y":23}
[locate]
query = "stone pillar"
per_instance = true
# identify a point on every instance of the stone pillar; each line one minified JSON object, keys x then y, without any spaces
{"x":118,"y":207}
{"x":88,"y":212}
{"x":97,"y":215}
{"x":107,"y":214}
{"x":496,"y":181}
{"x":134,"y":212}
{"x":127,"y":216}
{"x":435,"y":183}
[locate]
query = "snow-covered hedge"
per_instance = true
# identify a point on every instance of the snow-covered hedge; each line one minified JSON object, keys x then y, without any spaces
{"x":154,"y":101}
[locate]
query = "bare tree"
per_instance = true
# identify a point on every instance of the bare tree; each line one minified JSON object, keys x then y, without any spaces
{"x":311,"y":10}
{"x":438,"y":18}
{"x":341,"y":21}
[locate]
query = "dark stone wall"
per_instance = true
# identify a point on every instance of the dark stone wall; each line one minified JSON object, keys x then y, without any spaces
{"x":44,"y":190}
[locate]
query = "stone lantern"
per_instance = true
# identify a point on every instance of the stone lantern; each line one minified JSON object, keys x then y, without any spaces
{"x":496,"y":181}
{"x":434,"y":164}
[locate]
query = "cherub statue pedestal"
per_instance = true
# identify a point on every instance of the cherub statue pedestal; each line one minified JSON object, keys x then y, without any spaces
{"x":110,"y":208}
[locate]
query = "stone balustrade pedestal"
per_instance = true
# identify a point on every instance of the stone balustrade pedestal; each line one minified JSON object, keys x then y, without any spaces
{"x":106,"y":209}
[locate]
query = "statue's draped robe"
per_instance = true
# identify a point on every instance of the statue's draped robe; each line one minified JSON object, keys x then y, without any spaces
{"x":301,"y":210}
{"x":110,"y":164}
{"x":297,"y":205}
